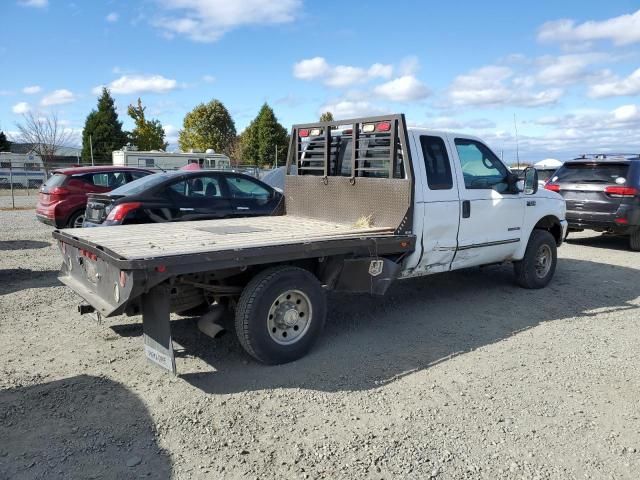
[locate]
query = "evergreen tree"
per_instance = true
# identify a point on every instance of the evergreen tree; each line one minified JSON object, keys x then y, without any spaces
{"x":208,"y":125}
{"x":261,"y":138}
{"x":5,"y":145}
{"x":104,"y":129}
{"x":147,"y":134}
{"x":326,"y":117}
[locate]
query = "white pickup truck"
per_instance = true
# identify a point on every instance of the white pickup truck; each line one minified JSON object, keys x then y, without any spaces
{"x":371,"y":202}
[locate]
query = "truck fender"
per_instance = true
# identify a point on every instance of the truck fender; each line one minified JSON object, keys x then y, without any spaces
{"x":550,"y":223}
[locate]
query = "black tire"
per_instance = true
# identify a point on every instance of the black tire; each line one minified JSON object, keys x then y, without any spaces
{"x":254,"y":319}
{"x":634,"y":240}
{"x":74,"y":218}
{"x":529,"y":271}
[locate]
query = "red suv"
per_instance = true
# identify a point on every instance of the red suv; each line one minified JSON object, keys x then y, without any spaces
{"x":63,"y":197}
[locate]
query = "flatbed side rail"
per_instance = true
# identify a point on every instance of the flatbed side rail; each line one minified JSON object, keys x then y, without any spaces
{"x":366,"y":244}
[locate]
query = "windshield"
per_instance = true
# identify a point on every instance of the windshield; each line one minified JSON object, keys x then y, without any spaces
{"x":142,"y":184}
{"x":591,"y":173}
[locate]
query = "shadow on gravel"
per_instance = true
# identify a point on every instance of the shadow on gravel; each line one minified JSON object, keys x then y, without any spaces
{"x":421,"y":322}
{"x":22,"y":244}
{"x":79,"y":427}
{"x":610,"y":242}
{"x":16,"y":279}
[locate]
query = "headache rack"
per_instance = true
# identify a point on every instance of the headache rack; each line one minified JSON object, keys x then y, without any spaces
{"x":352,"y":172}
{"x":364,"y":147}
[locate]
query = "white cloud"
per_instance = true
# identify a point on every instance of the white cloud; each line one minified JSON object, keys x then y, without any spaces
{"x":403,"y":89}
{"x":112,"y":17}
{"x":627,"y":113}
{"x":409,"y":65}
{"x":318,"y":68}
{"x":495,"y":85}
{"x":622,"y":30}
{"x":208,"y":78}
{"x":31,"y":90}
{"x":171,"y":134}
{"x":567,"y":69}
{"x":616,"y":86}
{"x":21,"y":108}
{"x":34,"y":3}
{"x":58,"y":97}
{"x":208,"y":20}
{"x":127,"y":84}
{"x":345,"y":108}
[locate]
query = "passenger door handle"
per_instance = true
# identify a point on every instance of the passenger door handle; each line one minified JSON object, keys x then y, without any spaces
{"x":186,"y":209}
{"x":466,"y":208}
{"x":242,"y":208}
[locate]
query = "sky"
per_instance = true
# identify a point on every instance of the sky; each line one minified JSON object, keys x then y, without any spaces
{"x":565,"y":75}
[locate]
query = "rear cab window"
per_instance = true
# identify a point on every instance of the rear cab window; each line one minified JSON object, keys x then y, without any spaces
{"x":436,"y":162}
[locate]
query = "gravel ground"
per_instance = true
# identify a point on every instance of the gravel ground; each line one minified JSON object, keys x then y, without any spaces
{"x":460,"y":375}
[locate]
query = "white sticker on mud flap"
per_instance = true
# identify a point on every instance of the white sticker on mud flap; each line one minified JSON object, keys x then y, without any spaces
{"x":159,"y":358}
{"x":375,"y":267}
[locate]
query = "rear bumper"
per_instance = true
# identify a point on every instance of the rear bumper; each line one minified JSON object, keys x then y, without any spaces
{"x":46,"y":219}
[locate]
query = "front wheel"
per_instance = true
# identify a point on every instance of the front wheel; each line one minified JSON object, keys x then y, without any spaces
{"x":280,"y":314}
{"x":537,"y":267}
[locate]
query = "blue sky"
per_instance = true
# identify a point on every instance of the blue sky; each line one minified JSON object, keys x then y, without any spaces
{"x":569,"y":71}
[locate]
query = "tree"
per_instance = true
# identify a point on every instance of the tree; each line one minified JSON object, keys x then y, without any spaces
{"x":5,"y":145}
{"x":326,"y":117}
{"x":147,"y":134}
{"x":102,"y":131}
{"x":262,"y":137}
{"x":45,"y":134}
{"x":208,"y":125}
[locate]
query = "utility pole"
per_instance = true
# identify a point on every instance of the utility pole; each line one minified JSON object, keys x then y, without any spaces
{"x":91,"y":148}
{"x":276,"y":156}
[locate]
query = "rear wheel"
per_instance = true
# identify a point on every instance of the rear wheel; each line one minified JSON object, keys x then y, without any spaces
{"x":76,"y":220}
{"x":537,"y":267}
{"x":280,"y":314}
{"x":634,"y":240}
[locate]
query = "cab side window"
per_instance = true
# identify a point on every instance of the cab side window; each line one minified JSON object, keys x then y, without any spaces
{"x":480,"y":166}
{"x":436,"y":162}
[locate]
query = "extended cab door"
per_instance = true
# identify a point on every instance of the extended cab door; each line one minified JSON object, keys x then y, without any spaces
{"x":491,"y":211}
{"x":437,"y":203}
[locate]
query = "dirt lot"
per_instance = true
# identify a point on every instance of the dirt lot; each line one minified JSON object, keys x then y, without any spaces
{"x":461,"y":375}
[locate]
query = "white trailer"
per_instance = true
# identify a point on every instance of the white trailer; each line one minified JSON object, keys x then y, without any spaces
{"x":169,"y":160}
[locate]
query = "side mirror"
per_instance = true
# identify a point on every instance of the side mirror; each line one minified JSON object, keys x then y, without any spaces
{"x":530,"y":181}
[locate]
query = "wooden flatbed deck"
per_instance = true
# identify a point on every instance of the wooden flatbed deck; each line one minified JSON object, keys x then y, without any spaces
{"x":137,"y":242}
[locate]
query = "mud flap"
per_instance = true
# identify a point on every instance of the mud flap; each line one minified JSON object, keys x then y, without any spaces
{"x":158,"y":346}
{"x":367,"y":275}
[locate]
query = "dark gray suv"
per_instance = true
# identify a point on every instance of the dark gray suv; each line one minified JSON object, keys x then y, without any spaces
{"x":602,"y":194}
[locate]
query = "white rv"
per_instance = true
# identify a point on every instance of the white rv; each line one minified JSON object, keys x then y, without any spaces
{"x":169,"y":160}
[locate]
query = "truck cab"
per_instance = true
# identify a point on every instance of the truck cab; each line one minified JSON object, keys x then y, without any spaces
{"x":469,"y":210}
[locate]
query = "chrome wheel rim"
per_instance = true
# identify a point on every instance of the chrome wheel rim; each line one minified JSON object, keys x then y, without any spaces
{"x":77,"y":223}
{"x":289,"y":317}
{"x":544,"y":258}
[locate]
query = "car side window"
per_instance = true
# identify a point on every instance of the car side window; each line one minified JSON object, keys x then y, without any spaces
{"x":240,"y":187}
{"x":480,"y":166}
{"x":206,"y":186}
{"x":436,"y":162}
{"x":136,"y":175}
{"x":100,"y":179}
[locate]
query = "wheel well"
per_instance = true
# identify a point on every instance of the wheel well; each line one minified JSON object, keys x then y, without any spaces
{"x":552,"y":225}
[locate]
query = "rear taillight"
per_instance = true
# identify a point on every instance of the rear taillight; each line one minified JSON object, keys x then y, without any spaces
{"x":57,"y":192}
{"x":383,"y":127}
{"x":303,"y":132}
{"x":88,"y":254}
{"x":120,"y":211}
{"x":620,"y":191}
{"x":554,"y":187}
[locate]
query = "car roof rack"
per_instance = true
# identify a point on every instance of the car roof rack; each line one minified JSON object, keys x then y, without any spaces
{"x":608,"y":156}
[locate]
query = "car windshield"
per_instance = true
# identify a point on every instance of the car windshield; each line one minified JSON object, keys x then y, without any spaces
{"x":142,"y":184}
{"x":591,"y":173}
